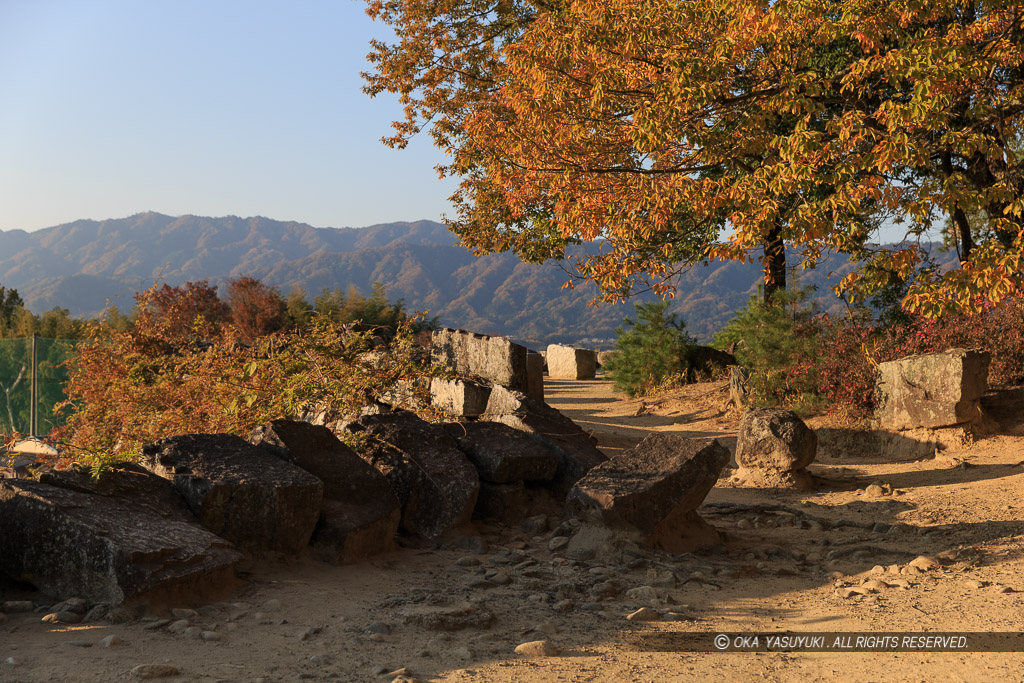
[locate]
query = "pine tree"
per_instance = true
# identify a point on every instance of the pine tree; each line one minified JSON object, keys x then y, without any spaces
{"x":654,"y":349}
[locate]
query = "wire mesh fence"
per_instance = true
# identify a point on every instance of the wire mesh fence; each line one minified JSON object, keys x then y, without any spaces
{"x":16,"y":375}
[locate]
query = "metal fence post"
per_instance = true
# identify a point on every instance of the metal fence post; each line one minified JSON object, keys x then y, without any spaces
{"x":32,"y":410}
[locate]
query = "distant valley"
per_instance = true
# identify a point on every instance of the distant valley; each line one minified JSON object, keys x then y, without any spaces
{"x":82,"y":265}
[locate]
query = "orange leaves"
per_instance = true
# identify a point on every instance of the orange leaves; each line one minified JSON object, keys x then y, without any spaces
{"x":655,"y":124}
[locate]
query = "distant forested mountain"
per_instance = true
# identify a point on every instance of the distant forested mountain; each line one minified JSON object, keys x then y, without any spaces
{"x":83,"y":265}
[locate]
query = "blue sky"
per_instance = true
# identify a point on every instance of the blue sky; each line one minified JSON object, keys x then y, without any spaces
{"x":214,"y":107}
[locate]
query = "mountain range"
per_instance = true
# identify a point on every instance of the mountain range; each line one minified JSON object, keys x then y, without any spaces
{"x":81,"y":266}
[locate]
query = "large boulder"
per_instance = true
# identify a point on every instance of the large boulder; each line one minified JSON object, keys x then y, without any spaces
{"x":932,"y":389}
{"x":566,"y":362}
{"x":243,"y":493}
{"x":774,"y":448}
{"x":126,"y":536}
{"x":497,"y":359}
{"x":655,"y":488}
{"x":435,"y":483}
{"x":503,"y":455}
{"x":360,"y":513}
{"x":576,"y":452}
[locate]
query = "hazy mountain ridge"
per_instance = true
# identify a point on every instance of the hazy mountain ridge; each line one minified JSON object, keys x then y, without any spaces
{"x":80,"y":265}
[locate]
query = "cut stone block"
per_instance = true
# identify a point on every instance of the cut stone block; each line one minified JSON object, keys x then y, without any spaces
{"x":459,"y":398}
{"x":503,"y":455}
{"x":655,"y":488}
{"x":435,"y":483}
{"x":493,"y":358}
{"x":240,"y":492}
{"x":535,"y":376}
{"x":565,"y":362}
{"x":577,"y":453}
{"x":111,"y":545}
{"x":359,"y":516}
{"x":931,"y":390}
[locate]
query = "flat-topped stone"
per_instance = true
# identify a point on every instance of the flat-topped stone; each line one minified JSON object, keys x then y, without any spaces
{"x":932,"y":389}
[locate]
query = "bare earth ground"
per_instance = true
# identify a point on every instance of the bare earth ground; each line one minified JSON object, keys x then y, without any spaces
{"x":786,"y":564}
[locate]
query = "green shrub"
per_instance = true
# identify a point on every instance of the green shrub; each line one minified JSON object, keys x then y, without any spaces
{"x":774,"y":340}
{"x":653,"y":351}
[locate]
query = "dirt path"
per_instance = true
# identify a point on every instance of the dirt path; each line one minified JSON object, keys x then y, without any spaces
{"x":787,"y":566}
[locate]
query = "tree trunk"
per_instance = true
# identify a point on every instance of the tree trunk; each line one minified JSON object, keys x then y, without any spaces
{"x":774,"y":262}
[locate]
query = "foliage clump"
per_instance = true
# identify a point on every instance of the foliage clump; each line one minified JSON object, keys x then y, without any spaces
{"x":814,"y":363}
{"x":652,"y":352}
{"x":154,"y":379}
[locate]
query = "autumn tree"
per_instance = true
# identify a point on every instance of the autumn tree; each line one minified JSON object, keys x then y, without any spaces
{"x":645,"y":127}
{"x":193,"y":308}
{"x":256,"y":309}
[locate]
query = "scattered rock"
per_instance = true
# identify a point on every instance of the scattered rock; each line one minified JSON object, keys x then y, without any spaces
{"x":497,"y":359}
{"x":644,"y":614}
{"x":459,"y":398}
{"x":211,"y":636}
{"x":535,"y":525}
{"x":111,"y":641}
{"x":179,"y":626}
{"x":500,"y":579}
{"x":147,"y":672}
{"x":457,"y":619}
{"x":557,"y":543}
{"x":96,"y":613}
{"x":924,"y":563}
{"x":875,"y":586}
{"x":537,"y":648}
{"x":379,"y":627}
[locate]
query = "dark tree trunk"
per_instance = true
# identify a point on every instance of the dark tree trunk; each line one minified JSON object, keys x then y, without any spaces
{"x":774,"y":262}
